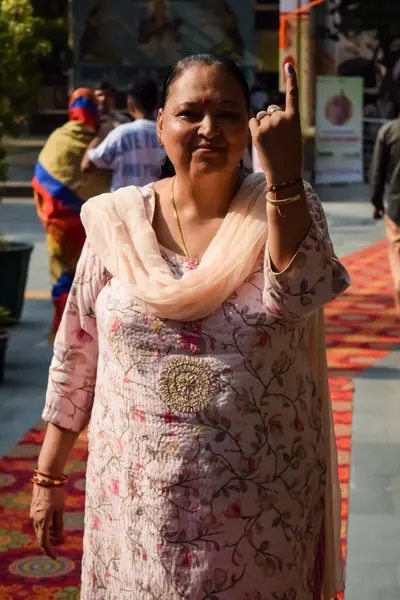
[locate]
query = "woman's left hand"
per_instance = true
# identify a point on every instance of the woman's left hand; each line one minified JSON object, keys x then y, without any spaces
{"x":278,"y":139}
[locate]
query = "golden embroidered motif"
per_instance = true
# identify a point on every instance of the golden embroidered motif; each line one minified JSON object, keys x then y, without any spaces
{"x":187,"y":384}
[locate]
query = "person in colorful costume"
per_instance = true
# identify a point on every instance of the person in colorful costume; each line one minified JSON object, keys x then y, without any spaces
{"x":60,"y":190}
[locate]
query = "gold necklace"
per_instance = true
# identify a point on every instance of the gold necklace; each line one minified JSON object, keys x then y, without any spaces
{"x":195,"y":260}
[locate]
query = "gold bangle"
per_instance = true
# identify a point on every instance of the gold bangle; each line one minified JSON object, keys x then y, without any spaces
{"x":283,"y":184}
{"x":46,"y":485}
{"x":62,"y":477}
{"x":287,"y":200}
{"x":45,"y":481}
{"x":40,"y":481}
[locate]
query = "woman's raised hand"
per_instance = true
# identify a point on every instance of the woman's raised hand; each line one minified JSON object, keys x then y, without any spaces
{"x":277,"y":136}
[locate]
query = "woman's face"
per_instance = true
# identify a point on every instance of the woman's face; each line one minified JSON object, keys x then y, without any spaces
{"x":204,"y":124}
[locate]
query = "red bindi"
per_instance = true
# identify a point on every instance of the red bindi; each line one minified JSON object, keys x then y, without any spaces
{"x":206,"y":101}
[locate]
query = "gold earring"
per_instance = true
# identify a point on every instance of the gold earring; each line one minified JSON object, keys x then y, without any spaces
{"x":160,"y":142}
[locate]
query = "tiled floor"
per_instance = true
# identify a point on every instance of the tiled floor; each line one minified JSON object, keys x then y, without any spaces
{"x":22,"y":393}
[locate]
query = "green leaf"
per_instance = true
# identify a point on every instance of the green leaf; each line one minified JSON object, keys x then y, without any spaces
{"x":304,"y":286}
{"x":305,"y":301}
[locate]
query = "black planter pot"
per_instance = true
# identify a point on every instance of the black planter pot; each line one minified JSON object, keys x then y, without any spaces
{"x":14,"y":264}
{"x":3,"y":350}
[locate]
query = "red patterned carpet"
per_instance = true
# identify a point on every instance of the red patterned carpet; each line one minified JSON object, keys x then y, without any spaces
{"x":361,"y":329}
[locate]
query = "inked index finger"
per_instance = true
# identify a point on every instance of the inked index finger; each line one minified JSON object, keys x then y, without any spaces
{"x":292,"y":91}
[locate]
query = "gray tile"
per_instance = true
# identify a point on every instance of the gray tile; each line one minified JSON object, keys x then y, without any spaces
{"x":370,"y":501}
{"x":394,"y":494}
{"x":370,"y":493}
{"x":27,"y":363}
{"x":367,"y":428}
{"x":374,"y":539}
{"x":370,"y":458}
{"x":372,"y":582}
{"x":18,"y":413}
{"x":372,"y":403}
{"x":392,"y":426}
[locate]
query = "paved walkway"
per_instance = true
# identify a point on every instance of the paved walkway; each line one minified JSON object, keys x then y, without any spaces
{"x":373,"y":568}
{"x":373,"y":564}
{"x":22,"y":394}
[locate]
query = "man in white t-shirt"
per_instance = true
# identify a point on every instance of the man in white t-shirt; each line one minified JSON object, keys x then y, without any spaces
{"x":131,"y":150}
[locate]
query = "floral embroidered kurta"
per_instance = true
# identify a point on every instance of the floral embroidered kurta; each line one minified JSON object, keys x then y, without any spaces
{"x":206,"y":469}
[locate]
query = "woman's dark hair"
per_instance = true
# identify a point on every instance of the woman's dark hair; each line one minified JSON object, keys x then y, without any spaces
{"x":207,"y":60}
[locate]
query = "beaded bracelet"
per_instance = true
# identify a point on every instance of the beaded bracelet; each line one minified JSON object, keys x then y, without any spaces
{"x":46,"y":481}
{"x":283,"y":184}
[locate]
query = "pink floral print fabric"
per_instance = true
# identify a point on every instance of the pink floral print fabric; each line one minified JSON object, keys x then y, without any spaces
{"x":206,"y":468}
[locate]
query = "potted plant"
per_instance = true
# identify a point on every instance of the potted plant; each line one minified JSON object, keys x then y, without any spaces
{"x":4,"y":315}
{"x":14,"y":265}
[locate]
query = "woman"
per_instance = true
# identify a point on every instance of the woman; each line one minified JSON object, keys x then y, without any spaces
{"x":60,"y":189}
{"x":210,"y":467}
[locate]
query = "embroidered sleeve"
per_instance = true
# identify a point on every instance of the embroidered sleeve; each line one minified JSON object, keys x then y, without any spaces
{"x":313,"y":277}
{"x":72,"y":376}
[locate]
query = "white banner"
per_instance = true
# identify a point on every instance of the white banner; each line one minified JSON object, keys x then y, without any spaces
{"x":338,"y":130}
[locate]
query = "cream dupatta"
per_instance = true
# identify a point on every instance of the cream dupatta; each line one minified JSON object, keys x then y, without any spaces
{"x":119,"y":230}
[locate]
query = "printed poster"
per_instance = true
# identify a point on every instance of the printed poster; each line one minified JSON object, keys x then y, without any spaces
{"x":338,"y":130}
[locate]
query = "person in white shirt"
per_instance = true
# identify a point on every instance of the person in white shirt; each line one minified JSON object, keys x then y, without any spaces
{"x":131,"y":150}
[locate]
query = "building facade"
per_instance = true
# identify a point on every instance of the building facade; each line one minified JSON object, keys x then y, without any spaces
{"x":117,"y":39}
